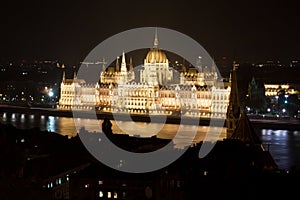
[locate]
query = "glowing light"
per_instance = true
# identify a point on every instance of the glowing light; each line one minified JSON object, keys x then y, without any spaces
{"x":100,"y":194}
{"x":283,"y":110}
{"x":50,"y":94}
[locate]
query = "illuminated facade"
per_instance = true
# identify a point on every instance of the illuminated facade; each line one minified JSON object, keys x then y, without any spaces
{"x":200,"y":76}
{"x":116,"y":75}
{"x":197,"y":92}
{"x":275,"y":89}
{"x":156,"y":67}
{"x":75,"y":92}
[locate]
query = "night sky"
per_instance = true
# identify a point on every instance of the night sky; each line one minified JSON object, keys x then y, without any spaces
{"x":68,"y":30}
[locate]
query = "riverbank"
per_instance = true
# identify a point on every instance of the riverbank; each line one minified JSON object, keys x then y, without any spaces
{"x":289,"y":124}
{"x":90,"y":114}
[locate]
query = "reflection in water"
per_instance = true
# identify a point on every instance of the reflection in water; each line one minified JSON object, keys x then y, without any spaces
{"x":284,"y":145}
{"x":51,"y":124}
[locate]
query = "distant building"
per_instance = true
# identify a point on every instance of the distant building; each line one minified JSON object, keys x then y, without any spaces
{"x":295,"y":63}
{"x":197,"y":92}
{"x":256,"y":97}
{"x":270,"y":64}
{"x":283,"y":99}
{"x":276,"y":89}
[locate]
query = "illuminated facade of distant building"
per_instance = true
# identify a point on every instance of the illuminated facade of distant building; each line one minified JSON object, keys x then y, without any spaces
{"x":197,"y":92}
{"x":275,"y":89}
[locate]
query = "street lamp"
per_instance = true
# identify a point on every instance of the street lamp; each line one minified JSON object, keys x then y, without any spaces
{"x":50,"y":93}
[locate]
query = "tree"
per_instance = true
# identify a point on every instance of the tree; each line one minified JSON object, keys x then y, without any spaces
{"x":293,"y":105}
{"x":257,"y":99}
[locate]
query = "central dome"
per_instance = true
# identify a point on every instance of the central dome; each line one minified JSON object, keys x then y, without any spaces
{"x":156,"y":55}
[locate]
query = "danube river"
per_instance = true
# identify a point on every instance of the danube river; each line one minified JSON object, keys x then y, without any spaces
{"x":284,"y":145}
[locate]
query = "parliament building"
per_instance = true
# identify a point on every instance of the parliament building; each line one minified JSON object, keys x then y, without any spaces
{"x":196,"y":91}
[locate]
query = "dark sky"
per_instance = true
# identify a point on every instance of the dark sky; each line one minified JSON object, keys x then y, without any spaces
{"x":69,"y":30}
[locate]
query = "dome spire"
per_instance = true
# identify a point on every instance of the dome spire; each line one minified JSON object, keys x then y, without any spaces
{"x":155,"y":39}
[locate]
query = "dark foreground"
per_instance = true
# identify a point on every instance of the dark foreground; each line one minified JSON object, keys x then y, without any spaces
{"x":43,"y":165}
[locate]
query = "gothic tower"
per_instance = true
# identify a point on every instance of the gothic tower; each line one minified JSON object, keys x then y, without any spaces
{"x":233,"y":110}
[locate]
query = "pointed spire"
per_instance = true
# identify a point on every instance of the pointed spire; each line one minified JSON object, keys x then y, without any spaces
{"x":253,"y":82}
{"x":235,"y":65}
{"x":117,"y":65}
{"x":123,"y":64}
{"x":130,"y":64}
{"x":199,"y":64}
{"x":156,"y":39}
{"x":103,"y":64}
{"x":234,"y":96}
{"x":75,"y":76}
{"x":183,"y":68}
{"x":233,"y":110}
{"x":64,"y":77}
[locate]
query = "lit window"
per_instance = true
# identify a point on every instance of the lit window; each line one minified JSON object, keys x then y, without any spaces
{"x":108,"y":194}
{"x":100,"y":194}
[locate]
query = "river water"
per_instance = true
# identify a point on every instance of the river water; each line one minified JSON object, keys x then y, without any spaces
{"x":284,"y":145}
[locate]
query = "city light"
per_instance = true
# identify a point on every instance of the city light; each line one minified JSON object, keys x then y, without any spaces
{"x":50,"y":94}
